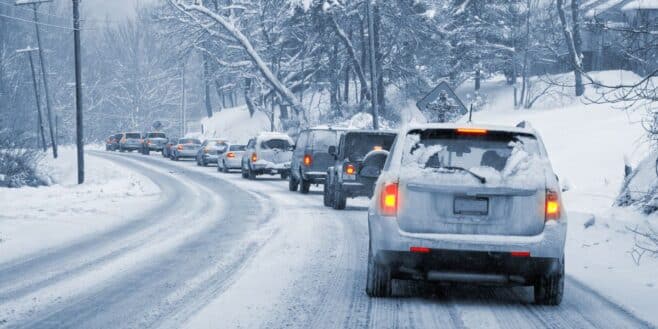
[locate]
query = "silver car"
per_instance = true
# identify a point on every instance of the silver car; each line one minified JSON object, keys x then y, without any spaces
{"x":470,"y":205}
{"x":186,"y":148}
{"x":269,"y":153}
{"x":130,"y":142}
{"x":154,"y":141}
{"x":231,"y":159}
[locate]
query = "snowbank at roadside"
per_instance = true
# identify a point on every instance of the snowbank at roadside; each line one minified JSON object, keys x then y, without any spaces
{"x":587,"y":145}
{"x":35,"y":219}
{"x":235,"y":124}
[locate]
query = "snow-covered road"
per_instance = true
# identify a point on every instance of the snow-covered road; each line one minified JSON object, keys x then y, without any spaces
{"x":223,"y":252}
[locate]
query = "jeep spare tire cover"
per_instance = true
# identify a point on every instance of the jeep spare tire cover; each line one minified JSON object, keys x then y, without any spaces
{"x":373,"y":163}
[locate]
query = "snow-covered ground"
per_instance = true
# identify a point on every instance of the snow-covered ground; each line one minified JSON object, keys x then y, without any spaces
{"x":34,"y":220}
{"x":587,"y":145}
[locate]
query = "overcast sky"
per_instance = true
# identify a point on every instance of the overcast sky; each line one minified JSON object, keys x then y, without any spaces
{"x":112,"y":9}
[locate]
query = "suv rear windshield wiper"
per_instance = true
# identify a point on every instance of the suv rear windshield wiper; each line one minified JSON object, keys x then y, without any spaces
{"x":480,"y":178}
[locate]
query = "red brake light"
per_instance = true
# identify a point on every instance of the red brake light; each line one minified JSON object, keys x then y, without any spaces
{"x":254,"y":157}
{"x":206,"y":150}
{"x":308,"y":160}
{"x":471,"y":131}
{"x":552,"y":205}
{"x":179,"y":147}
{"x":420,"y":250}
{"x":230,"y":155}
{"x":350,"y":170}
{"x":389,"y":199}
{"x":520,"y":254}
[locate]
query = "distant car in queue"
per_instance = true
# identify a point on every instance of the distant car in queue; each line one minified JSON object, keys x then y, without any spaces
{"x":232,"y":158}
{"x":209,"y":151}
{"x":311,"y":158}
{"x":185,"y":148}
{"x":130,"y":142}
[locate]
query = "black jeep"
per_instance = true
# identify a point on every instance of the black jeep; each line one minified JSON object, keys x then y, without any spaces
{"x":359,"y":159}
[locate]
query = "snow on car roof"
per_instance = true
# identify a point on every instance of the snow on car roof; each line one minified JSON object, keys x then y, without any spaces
{"x":273,"y":135}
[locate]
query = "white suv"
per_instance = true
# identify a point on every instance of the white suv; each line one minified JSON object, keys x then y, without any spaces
{"x":457,"y":203}
{"x":268,"y":153}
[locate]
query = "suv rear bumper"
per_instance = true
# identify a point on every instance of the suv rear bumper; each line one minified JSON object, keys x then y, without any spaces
{"x":386,"y":236}
{"x":353,"y":189}
{"x":315,"y":177}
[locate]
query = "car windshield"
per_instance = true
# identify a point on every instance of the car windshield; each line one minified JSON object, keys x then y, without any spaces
{"x":133,"y":135}
{"x":237,"y":148}
{"x":357,"y":145}
{"x":448,"y":148}
{"x":189,"y":141}
{"x":280,"y":144}
{"x":156,"y":135}
{"x":322,"y":139}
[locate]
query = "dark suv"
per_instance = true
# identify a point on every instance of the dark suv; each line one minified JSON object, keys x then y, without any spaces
{"x":311,"y":158}
{"x":359,"y":159}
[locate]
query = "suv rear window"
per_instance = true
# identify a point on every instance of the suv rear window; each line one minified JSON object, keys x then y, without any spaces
{"x":155,"y":135}
{"x":435,"y":149}
{"x":189,"y":141}
{"x":322,"y":139}
{"x":280,"y":144}
{"x":133,"y":136}
{"x":237,"y":148}
{"x":357,"y":145}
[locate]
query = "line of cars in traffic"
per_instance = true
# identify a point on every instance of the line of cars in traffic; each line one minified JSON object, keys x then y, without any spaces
{"x":452,"y":203}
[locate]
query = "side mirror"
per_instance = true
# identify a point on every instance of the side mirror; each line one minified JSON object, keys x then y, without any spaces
{"x":332,"y":150}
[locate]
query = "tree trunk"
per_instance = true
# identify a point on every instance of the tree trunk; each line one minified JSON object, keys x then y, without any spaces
{"x":364,"y":57}
{"x":577,"y":42}
{"x":220,"y":94}
{"x":358,"y":67}
{"x":206,"y":85}
{"x":334,"y":83}
{"x":571,"y":47}
{"x":381,"y":88}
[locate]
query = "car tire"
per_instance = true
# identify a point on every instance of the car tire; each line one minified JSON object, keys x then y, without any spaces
{"x":326,"y":197}
{"x":293,"y":183}
{"x":244,"y":173}
{"x":549,"y":289}
{"x":284,"y":176}
{"x":251,"y":174}
{"x":121,"y":149}
{"x":378,"y":282}
{"x":339,"y":200}
{"x":304,"y":186}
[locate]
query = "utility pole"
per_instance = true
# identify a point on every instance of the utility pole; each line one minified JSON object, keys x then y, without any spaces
{"x":373,"y":67}
{"x":42,"y":61}
{"x":78,"y":93}
{"x":28,"y":52}
{"x":183,"y":105}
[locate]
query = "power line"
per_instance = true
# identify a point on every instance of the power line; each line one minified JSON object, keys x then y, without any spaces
{"x":30,"y":11}
{"x":33,"y":22}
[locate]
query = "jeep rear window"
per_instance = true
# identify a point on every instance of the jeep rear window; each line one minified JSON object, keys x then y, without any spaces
{"x":446,"y":148}
{"x":237,"y":148}
{"x":155,"y":135}
{"x":132,"y":135}
{"x":280,"y":144}
{"x":358,"y":145}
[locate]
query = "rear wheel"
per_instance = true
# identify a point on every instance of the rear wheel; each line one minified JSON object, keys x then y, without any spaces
{"x":378,"y":282}
{"x":251,"y":174}
{"x":304,"y":186}
{"x":147,"y":151}
{"x":293,"y":183}
{"x":244,"y":173}
{"x":549,"y":289}
{"x":326,"y":195}
{"x":340,"y":199}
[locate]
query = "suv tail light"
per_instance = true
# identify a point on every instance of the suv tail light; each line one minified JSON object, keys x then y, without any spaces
{"x":179,"y":147}
{"x":206,"y":150}
{"x":254,"y":157}
{"x":308,"y":160}
{"x":350,"y":169}
{"x":389,"y":199}
{"x":552,"y":205}
{"x":230,"y":155}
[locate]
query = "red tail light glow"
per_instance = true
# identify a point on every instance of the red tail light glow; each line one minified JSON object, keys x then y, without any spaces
{"x":471,"y":131}
{"x":420,"y":250}
{"x":308,"y":160}
{"x":520,"y":254}
{"x":179,"y":147}
{"x":254,"y":157}
{"x":230,"y":155}
{"x":350,"y":170}
{"x":389,"y":199}
{"x":552,"y":205}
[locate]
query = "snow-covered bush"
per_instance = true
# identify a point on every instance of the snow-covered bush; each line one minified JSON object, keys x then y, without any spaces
{"x":640,"y":188}
{"x":18,"y":162}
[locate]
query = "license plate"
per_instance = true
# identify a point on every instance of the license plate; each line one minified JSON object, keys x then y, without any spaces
{"x":476,"y":206}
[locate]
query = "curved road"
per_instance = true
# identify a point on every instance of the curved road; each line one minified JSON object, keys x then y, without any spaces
{"x":220,"y":251}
